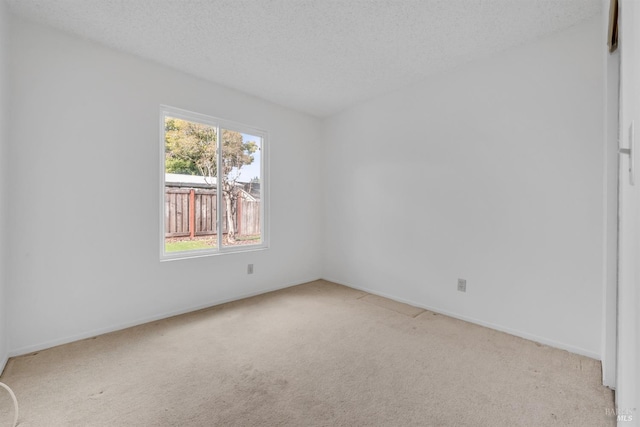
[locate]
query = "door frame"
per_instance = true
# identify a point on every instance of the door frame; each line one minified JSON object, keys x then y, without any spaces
{"x":628,"y":326}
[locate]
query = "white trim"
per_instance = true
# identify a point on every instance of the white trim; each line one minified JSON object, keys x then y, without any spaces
{"x":120,"y":326}
{"x":497,"y":327}
{"x":610,"y":206}
{"x":204,"y":253}
{"x":219,"y":124}
{"x":628,"y":369}
{"x":179,"y":113}
{"x":219,"y":201}
{"x":100,"y":331}
{"x":3,"y":363}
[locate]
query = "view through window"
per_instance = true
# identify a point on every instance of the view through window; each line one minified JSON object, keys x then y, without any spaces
{"x":212,"y":184}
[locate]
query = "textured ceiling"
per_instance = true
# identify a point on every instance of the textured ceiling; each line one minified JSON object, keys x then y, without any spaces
{"x":316,"y":56}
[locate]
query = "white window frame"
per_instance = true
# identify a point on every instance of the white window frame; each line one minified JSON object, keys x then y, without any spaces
{"x":219,"y":124}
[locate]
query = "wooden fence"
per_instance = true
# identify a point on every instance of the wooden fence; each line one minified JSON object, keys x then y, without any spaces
{"x":192,"y":212}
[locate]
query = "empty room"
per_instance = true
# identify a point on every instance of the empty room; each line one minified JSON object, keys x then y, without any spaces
{"x":319,"y":213}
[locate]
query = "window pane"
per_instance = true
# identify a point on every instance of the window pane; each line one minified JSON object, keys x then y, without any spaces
{"x":190,"y":166}
{"x":241,"y":176}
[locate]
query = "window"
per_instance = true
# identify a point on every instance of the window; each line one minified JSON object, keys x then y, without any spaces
{"x":213,"y":185}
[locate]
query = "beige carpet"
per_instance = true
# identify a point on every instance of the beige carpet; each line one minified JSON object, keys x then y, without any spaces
{"x":317,"y":354}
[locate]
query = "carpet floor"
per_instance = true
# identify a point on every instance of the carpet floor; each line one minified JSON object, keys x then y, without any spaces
{"x":317,"y":354}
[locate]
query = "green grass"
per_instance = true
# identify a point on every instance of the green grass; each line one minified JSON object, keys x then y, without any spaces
{"x":186,"y":245}
{"x":247,"y":238}
{"x":198,"y":244}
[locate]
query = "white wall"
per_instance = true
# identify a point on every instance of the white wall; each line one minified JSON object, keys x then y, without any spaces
{"x":84,"y":143}
{"x":492,"y":173}
{"x":4,"y":107}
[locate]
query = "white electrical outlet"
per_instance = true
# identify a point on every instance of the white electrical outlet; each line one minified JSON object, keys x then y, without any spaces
{"x":249,"y":268}
{"x":462,"y":285}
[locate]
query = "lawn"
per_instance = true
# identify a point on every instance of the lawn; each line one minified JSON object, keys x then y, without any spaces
{"x":187,"y":245}
{"x":206,"y":242}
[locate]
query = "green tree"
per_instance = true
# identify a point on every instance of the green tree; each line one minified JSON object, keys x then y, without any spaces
{"x":191,"y":148}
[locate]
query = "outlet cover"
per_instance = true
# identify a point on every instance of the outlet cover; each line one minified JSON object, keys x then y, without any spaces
{"x":249,"y":268}
{"x":462,"y":285}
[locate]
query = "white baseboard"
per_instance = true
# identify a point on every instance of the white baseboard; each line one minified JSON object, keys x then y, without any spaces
{"x":3,"y":363}
{"x":101,"y":331}
{"x":501,"y":328}
{"x":124,"y":325}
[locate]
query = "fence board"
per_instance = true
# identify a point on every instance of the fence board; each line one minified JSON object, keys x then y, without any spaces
{"x":178,"y":213}
{"x":205,"y":212}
